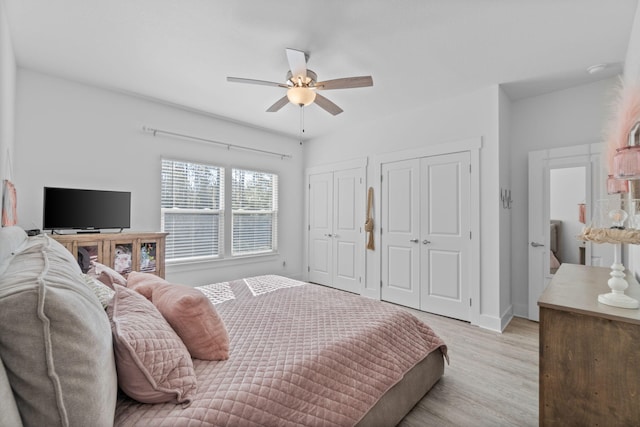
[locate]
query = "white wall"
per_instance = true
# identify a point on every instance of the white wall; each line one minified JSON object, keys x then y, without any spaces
{"x":7,"y":97}
{"x":567,"y":190}
{"x":74,"y":135}
{"x":506,"y":308}
{"x":632,"y":74}
{"x":473,"y":115}
{"x":568,"y":117}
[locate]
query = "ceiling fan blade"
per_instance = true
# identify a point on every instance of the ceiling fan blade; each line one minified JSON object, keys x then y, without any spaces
{"x":345,"y":83}
{"x":327,"y":105}
{"x":297,"y":62}
{"x":255,"y":82}
{"x":278,"y":104}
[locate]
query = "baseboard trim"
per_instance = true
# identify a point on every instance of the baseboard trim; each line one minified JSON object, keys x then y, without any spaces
{"x":497,"y":324}
{"x":521,"y":310}
{"x":490,"y":322}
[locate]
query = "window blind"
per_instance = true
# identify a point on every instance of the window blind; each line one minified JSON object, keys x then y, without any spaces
{"x":192,"y":209}
{"x":254,"y":210}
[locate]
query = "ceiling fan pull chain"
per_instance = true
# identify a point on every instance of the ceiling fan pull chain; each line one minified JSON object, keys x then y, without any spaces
{"x":301,"y":122}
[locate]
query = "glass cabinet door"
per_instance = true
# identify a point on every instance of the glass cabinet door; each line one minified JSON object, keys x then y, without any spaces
{"x":122,"y":257}
{"x":148,"y":253}
{"x":88,"y":253}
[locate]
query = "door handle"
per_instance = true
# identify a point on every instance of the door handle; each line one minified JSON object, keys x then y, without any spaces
{"x":425,"y":242}
{"x":536,"y":244}
{"x":328,"y":235}
{"x":413,"y":240}
{"x":335,"y":235}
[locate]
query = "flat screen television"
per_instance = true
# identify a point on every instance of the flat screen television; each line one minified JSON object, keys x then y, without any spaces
{"x":91,"y":210}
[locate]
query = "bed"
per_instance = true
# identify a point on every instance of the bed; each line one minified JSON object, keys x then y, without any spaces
{"x":304,"y":354}
{"x":292,"y":353}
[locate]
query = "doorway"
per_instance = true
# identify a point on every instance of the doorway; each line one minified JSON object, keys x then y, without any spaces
{"x":564,"y":184}
{"x":567,"y":212}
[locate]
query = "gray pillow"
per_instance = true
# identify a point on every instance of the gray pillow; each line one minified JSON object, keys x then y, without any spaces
{"x":55,"y":339}
{"x":9,"y":415}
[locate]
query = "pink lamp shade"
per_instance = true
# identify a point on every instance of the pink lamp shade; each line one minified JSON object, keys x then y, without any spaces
{"x":617,"y":186}
{"x":626,"y":162}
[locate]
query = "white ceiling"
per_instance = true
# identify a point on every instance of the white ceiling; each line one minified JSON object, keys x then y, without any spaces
{"x":418,"y":51}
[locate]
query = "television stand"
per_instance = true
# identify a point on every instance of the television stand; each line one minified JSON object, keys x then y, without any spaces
{"x":124,"y":252}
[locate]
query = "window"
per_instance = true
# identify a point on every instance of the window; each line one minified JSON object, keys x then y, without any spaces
{"x":192,"y":209}
{"x":254,"y":204}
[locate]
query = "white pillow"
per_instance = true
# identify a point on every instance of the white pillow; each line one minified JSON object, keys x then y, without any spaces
{"x":11,"y":238}
{"x":55,"y":340}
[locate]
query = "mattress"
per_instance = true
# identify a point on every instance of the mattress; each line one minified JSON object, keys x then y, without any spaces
{"x":304,"y":354}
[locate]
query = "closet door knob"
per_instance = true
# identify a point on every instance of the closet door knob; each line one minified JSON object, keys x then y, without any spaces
{"x":536,"y":244}
{"x":413,"y":240}
{"x":328,"y":235}
{"x":425,"y":242}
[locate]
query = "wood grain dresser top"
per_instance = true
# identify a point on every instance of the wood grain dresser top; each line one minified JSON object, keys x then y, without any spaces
{"x":575,"y":288}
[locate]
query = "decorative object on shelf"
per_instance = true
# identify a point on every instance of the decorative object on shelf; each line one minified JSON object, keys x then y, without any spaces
{"x":625,"y":115}
{"x":582,"y":213}
{"x":617,"y":186}
{"x":618,"y":218}
{"x":626,"y":161}
{"x":614,"y":225}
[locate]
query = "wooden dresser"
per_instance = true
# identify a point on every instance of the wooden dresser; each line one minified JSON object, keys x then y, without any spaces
{"x":124,"y":252}
{"x":589,"y":352}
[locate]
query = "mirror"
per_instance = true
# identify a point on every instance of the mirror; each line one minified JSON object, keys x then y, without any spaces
{"x":567,"y":209}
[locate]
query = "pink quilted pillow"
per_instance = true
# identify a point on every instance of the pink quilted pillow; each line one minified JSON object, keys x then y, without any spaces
{"x":189,"y":312}
{"x":152,"y":362}
{"x":106,"y":275}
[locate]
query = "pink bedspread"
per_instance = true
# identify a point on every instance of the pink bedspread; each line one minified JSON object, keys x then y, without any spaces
{"x":301,"y":354}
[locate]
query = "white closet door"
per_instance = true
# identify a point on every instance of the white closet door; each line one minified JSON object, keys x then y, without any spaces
{"x":400,"y":270}
{"x":321,"y":228}
{"x":445,"y":240}
{"x":347,"y":220}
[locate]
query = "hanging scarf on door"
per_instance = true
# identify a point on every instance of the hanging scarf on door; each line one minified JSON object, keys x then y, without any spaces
{"x":368,"y":225}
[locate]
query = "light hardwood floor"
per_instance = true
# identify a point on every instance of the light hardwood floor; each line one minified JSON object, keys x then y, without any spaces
{"x":492,"y":379}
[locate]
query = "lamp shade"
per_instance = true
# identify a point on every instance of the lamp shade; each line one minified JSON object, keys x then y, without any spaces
{"x":617,"y":186}
{"x":626,"y":162}
{"x":302,"y":96}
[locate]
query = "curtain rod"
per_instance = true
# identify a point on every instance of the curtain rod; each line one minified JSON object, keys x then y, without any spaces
{"x":212,"y":141}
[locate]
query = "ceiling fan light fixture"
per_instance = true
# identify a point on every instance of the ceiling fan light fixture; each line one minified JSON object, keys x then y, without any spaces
{"x":302,"y":96}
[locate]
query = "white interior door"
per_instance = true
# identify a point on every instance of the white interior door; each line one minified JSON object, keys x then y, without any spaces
{"x":336,"y":242}
{"x":400,"y":233}
{"x":539,"y":257}
{"x":445,"y":234}
{"x":347,"y":231}
{"x":321,"y":228}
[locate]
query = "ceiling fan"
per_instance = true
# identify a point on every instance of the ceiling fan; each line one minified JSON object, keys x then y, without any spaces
{"x":302,"y":85}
